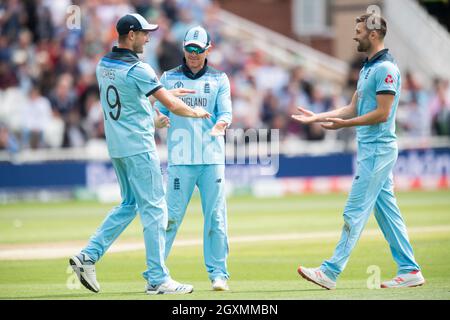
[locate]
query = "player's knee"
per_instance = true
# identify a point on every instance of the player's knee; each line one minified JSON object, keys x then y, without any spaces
{"x":216,"y":227}
{"x":171,"y":222}
{"x":129,"y":210}
{"x":174,"y":221}
{"x":350,"y":219}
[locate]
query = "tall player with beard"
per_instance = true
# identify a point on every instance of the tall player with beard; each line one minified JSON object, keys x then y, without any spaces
{"x":372,"y":111}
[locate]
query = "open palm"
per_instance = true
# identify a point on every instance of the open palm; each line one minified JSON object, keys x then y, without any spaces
{"x":305,"y":116}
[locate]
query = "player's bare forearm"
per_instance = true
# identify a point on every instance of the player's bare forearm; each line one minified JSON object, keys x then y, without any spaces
{"x":379,"y":115}
{"x":368,"y":119}
{"x":175,"y":105}
{"x":346,"y":112}
{"x":308,"y":117}
{"x":179,"y":108}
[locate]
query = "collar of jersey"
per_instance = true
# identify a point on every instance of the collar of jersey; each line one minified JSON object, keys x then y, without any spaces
{"x":377,"y":56}
{"x":124,"y":51}
{"x":188,"y":73}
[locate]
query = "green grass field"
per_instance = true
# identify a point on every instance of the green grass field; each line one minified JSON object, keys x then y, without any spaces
{"x":262,"y":267}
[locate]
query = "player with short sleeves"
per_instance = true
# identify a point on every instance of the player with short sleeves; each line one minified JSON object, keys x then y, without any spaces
{"x":125,"y":85}
{"x":372,"y":110}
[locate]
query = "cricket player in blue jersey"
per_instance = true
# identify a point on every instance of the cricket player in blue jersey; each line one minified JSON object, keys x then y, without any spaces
{"x":372,"y":110}
{"x":197,"y":152}
{"x":126,"y":84}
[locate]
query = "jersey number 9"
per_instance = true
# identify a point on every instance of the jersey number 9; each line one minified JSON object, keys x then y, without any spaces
{"x":113,"y":100}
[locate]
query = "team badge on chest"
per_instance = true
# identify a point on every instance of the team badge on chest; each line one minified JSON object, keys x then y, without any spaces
{"x":178,"y":84}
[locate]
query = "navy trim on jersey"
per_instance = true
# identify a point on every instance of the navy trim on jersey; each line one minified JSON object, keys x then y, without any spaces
{"x":188,"y":73}
{"x":106,"y":60}
{"x":383,"y":55}
{"x":153,"y":90}
{"x":122,"y":54}
{"x":181,"y":68}
{"x":124,"y":50}
{"x":392,"y":92}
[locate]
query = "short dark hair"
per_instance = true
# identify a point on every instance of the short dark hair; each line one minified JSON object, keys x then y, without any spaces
{"x":374,"y":22}
{"x":123,"y":37}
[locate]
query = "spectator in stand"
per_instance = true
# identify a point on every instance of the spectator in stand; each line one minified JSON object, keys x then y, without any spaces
{"x":168,"y":52}
{"x":170,"y":10}
{"x":247,"y":100}
{"x":42,"y":28}
{"x":270,"y":109}
{"x":180,"y":27}
{"x":7,"y":141}
{"x":37,"y":115}
{"x":65,"y":106}
{"x":299,"y":77}
{"x":318,"y":103}
{"x":23,"y":59}
{"x":345,"y":135}
{"x":7,"y":76}
{"x":93,"y":124}
{"x":10,"y":20}
{"x":413,"y":106}
{"x":440,"y":108}
{"x":63,"y":98}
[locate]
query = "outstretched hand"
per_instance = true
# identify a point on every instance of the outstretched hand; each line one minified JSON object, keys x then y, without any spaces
{"x":199,"y":112}
{"x":334,"y":123}
{"x":306,"y":116}
{"x":219,"y":129}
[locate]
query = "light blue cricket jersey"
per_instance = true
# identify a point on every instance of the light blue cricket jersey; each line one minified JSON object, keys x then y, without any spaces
{"x":379,"y":75}
{"x":189,"y":142}
{"x":125,"y":84}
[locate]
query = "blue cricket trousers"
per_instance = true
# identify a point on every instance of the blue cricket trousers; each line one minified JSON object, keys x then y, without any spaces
{"x":210,"y":180}
{"x":142,"y":190}
{"x":373,"y":190}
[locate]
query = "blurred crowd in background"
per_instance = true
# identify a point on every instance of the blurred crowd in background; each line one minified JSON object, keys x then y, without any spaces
{"x":49,"y":94}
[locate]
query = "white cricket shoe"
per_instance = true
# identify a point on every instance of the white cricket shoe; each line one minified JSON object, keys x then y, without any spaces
{"x":169,"y":287}
{"x":220,"y":284}
{"x":315,"y":275}
{"x":411,"y":279}
{"x":85,"y":270}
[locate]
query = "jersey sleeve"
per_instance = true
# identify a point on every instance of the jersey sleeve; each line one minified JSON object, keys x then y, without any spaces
{"x":145,"y":79}
{"x":223,"y":104}
{"x":386,"y":78}
{"x":158,"y":105}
